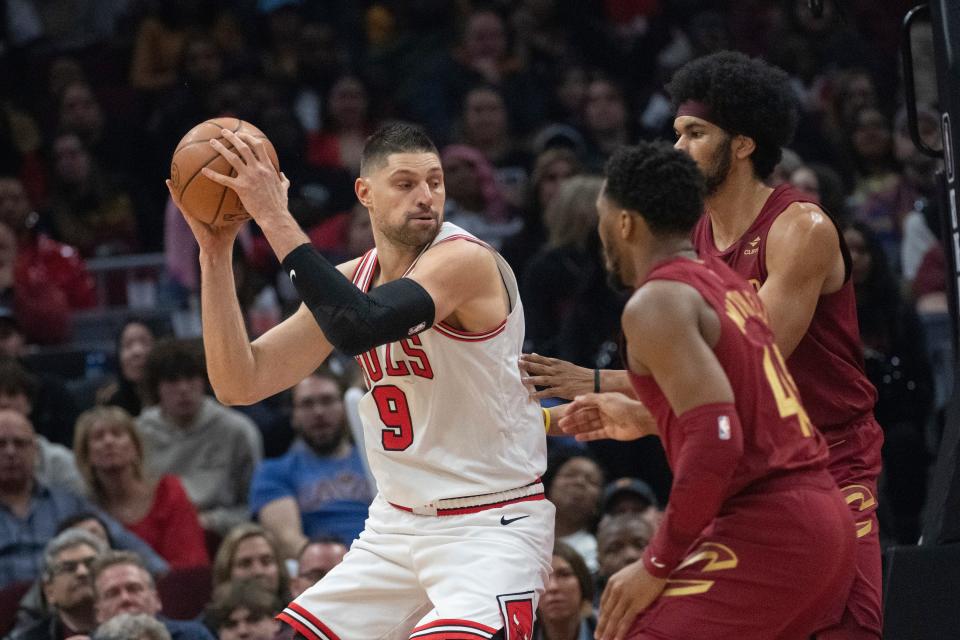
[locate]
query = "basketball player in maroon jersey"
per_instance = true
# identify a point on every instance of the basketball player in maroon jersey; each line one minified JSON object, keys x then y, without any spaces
{"x":734,"y":114}
{"x":756,"y":542}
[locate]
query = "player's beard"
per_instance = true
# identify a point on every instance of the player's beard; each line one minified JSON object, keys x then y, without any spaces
{"x":409,"y":234}
{"x":615,"y":278}
{"x":716,"y":173}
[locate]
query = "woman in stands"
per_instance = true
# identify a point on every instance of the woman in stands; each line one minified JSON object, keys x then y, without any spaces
{"x":110,"y":457}
{"x":134,"y":343}
{"x":250,"y":551}
{"x":566,"y":609}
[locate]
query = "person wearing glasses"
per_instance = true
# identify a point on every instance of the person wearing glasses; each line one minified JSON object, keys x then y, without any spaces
{"x":68,"y":587}
{"x":31,"y":511}
{"x":316,"y":559}
{"x":319,"y":486}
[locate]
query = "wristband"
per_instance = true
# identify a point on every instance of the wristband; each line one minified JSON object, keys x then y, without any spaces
{"x":546,"y":419}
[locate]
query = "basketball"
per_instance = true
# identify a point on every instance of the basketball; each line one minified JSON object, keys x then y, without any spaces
{"x":200,"y":197}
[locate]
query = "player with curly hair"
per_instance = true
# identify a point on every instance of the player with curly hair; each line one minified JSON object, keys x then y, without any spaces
{"x":734,"y":114}
{"x":752,"y":504}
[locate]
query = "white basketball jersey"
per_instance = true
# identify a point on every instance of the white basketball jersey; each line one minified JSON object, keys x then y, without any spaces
{"x":446,"y":415}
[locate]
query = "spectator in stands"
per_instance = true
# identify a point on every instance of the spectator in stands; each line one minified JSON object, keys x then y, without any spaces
{"x":631,"y":495}
{"x":552,"y":167}
{"x":482,"y":55}
{"x":20,"y":145}
{"x":825,"y":185}
{"x":347,"y":123}
{"x":319,"y":62}
{"x":90,"y":522}
{"x":359,"y":233}
{"x":474,"y":199}
{"x":849,"y":92}
{"x":110,"y":456}
{"x":316,"y":559}
{"x":566,"y":607}
{"x":158,"y":48}
{"x":243,"y":610}
{"x":573,"y":483}
{"x":67,"y":587}
{"x":319,"y":485}
{"x":107,"y":140}
{"x":122,"y":584}
{"x":132,"y":626}
{"x":878,"y":181}
{"x":897,"y":365}
{"x":189,"y":100}
{"x":55,"y":465}
{"x":134,"y":343}
{"x":49,"y":278}
{"x":555,"y":276}
{"x":52,"y":407}
{"x":606,"y":120}
{"x":569,"y":96}
{"x":34,"y":605}
{"x":212,"y":448}
{"x":621,"y":539}
{"x":250,"y":551}
{"x":485,"y":126}
{"x":282,"y":21}
{"x":32,"y":511}
{"x":87,"y":209}
{"x":27,"y":302}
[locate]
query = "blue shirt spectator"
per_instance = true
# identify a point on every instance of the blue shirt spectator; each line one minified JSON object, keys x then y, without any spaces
{"x":30,"y":511}
{"x":332,"y":495}
{"x":22,"y":539}
{"x":320,"y":485}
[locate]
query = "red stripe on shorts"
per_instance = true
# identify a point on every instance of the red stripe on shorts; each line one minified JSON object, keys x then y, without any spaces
{"x":306,"y":623}
{"x":452,"y":629}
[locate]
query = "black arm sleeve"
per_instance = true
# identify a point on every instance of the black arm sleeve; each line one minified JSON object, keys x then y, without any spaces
{"x":353,"y":321}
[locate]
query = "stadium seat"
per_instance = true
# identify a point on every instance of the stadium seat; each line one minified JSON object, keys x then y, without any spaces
{"x":10,"y":597}
{"x":185,"y":592}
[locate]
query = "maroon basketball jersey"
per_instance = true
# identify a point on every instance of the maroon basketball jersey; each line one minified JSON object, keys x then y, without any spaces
{"x":778,"y":436}
{"x":828,"y":362}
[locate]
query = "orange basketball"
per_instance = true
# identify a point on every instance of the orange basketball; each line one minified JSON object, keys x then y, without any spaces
{"x":200,"y":197}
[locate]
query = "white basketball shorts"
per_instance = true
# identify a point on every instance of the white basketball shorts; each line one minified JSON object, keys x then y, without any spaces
{"x":434,"y":577}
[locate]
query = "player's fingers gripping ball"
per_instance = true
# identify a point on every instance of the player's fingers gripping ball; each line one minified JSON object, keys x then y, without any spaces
{"x":202,"y":198}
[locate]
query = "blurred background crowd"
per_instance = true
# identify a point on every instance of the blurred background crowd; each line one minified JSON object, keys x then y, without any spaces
{"x":130,"y":497}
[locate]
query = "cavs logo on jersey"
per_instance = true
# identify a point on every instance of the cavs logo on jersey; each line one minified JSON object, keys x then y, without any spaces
{"x":517,"y":612}
{"x":752,"y":247}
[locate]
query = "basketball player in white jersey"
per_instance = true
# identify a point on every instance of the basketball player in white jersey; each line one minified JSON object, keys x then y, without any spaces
{"x":459,"y":538}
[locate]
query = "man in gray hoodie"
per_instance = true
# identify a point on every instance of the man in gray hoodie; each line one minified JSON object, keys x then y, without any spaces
{"x":213,"y":449}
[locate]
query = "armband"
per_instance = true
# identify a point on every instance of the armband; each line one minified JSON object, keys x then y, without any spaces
{"x":353,"y":321}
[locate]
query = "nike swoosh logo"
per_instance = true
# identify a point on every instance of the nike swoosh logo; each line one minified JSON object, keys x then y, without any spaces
{"x":505,"y":521}
{"x":658,"y":564}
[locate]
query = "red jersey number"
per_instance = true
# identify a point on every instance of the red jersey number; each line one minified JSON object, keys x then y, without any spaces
{"x":395,"y":414}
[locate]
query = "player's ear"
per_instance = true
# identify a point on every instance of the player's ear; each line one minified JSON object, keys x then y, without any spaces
{"x":362,"y":188}
{"x":744,"y":146}
{"x":627,"y":223}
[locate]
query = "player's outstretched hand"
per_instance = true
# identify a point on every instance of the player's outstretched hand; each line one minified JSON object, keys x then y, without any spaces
{"x":210,"y":238}
{"x":607,"y":416}
{"x":628,"y":592}
{"x":262,"y":190}
{"x":560,"y":378}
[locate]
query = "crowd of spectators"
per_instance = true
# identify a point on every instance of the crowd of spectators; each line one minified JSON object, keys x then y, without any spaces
{"x":151,"y":496}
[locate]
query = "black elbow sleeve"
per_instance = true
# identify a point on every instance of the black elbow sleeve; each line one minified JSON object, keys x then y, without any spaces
{"x":353,"y":321}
